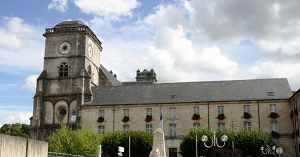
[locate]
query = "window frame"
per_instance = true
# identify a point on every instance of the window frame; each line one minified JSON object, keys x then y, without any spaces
{"x":149,"y":128}
{"x":149,"y":111}
{"x":172,"y":130}
{"x":247,"y":126}
{"x":274,"y":126}
{"x":126,"y":128}
{"x":101,"y":129}
{"x":172,"y":112}
{"x":221,"y":126}
{"x":273,"y":108}
{"x":220,"y":110}
{"x":102,"y":113}
{"x":196,"y":110}
{"x":126,"y":112}
{"x":246,"y":108}
{"x":64,"y":69}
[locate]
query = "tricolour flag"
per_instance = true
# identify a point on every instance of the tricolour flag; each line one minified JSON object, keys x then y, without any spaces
{"x":161,"y":120}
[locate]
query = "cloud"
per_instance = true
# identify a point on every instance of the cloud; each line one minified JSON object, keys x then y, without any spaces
{"x":110,"y":10}
{"x":59,"y":5}
{"x":273,"y":25}
{"x":276,"y":70}
{"x":31,"y":83}
{"x":14,"y":29}
{"x":11,"y":115}
{"x":24,"y":44}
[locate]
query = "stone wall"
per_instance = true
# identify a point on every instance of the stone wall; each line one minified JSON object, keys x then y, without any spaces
{"x":13,"y":146}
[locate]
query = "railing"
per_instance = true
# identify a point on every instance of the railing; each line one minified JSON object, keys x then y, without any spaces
{"x":73,"y":29}
{"x":54,"y":154}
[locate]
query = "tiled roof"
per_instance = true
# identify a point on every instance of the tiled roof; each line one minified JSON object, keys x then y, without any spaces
{"x":208,"y":91}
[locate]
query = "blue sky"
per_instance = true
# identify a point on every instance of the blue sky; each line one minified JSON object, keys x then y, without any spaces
{"x":182,"y":40}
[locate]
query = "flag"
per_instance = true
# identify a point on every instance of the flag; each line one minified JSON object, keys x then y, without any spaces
{"x":161,"y":120}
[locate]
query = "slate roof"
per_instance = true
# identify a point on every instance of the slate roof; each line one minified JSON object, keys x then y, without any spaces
{"x":110,"y":76}
{"x":77,"y":22}
{"x":208,"y":91}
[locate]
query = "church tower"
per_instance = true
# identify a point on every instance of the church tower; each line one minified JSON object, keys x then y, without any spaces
{"x":71,"y":68}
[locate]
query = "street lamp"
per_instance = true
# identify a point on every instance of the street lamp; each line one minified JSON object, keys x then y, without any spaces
{"x":268,"y":150}
{"x":224,"y":138}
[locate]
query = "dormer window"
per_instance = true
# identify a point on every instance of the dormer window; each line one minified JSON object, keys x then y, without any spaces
{"x":172,"y":96}
{"x":270,"y":93}
{"x":64,"y":69}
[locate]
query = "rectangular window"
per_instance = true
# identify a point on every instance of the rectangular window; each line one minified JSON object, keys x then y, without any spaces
{"x":196,"y":110}
{"x":126,"y":112}
{"x":247,"y":125}
{"x":149,"y":111}
{"x":125,"y":128}
{"x":196,"y":125}
{"x":274,"y":126}
{"x":149,"y":128}
{"x":246,"y":108}
{"x":172,"y":112}
{"x":101,"y":129}
{"x":221,"y":126}
{"x":172,"y":130}
{"x":220,"y":110}
{"x":273,"y":108}
{"x":101,"y":113}
{"x":172,"y":96}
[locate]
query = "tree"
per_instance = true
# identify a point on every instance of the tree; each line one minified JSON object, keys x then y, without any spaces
{"x":80,"y":142}
{"x":140,"y":143}
{"x":245,"y":143}
{"x":17,"y":129}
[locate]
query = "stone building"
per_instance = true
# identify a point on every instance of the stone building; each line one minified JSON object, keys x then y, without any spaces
{"x":74,"y":88}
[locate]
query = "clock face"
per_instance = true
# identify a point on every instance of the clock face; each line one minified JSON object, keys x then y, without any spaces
{"x":90,"y":51}
{"x":64,"y":48}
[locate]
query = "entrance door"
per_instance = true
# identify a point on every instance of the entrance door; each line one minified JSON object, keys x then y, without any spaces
{"x":172,"y":152}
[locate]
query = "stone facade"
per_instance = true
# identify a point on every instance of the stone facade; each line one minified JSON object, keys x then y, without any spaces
{"x":74,"y":88}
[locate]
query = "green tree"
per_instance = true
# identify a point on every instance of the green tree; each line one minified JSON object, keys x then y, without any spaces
{"x":245,"y":143}
{"x":17,"y":129}
{"x":80,"y":142}
{"x":140,"y":143}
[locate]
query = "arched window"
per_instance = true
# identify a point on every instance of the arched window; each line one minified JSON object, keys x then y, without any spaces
{"x":64,"y":69}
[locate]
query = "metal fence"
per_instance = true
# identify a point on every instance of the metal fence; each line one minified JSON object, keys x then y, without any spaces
{"x":54,"y":154}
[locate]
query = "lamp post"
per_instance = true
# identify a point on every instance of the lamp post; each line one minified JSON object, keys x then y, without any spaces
{"x":268,"y":150}
{"x":224,"y":138}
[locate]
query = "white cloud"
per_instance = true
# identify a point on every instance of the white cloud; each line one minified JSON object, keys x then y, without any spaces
{"x":11,"y":115}
{"x":276,"y":70}
{"x":273,"y":25}
{"x":109,"y":10}
{"x":15,"y":30}
{"x":31,"y":83}
{"x":24,"y":45}
{"x":59,"y":5}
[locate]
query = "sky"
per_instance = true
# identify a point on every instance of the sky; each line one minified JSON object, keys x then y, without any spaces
{"x":182,"y":40}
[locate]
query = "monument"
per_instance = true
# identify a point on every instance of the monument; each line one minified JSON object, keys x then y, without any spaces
{"x":158,"y":148}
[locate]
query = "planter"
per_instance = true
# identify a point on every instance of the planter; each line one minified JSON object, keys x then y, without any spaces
{"x":148,"y":118}
{"x":100,"y":119}
{"x":221,"y":116}
{"x":275,"y":134}
{"x":195,"y":117}
{"x":273,"y":115}
{"x":247,"y":115}
{"x":125,"y":119}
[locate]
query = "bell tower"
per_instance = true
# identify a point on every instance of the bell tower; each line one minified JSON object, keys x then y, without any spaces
{"x":71,"y":68}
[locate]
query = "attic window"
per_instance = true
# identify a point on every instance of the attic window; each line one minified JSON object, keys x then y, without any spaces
{"x":172,"y":96}
{"x":270,"y":93}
